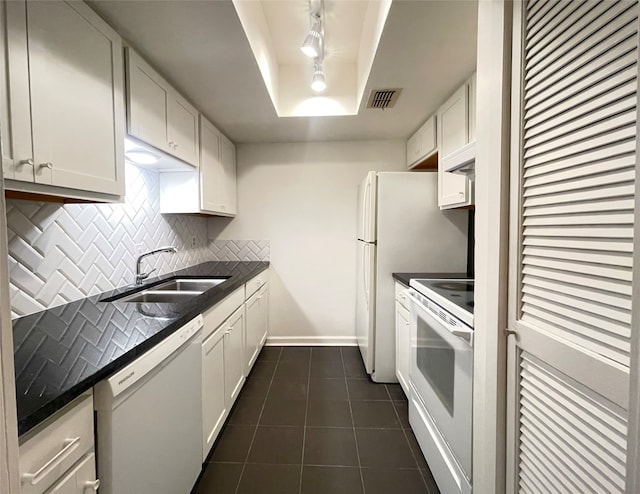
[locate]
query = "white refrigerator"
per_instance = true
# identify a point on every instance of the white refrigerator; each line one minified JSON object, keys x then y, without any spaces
{"x":400,"y":229}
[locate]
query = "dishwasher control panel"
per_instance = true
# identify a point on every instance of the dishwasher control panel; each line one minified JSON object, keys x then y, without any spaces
{"x":126,"y":377}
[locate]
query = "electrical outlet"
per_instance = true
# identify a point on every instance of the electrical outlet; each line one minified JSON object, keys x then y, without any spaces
{"x":139,"y":248}
{"x":193,"y":241}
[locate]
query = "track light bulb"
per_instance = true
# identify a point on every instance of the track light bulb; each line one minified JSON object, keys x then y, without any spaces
{"x":318,"y":84}
{"x":312,"y":46}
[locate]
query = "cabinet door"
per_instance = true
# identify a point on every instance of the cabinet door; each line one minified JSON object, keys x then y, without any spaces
{"x":228,"y":158}
{"x":403,"y":346}
{"x":413,"y":149}
{"x":183,"y":129}
{"x":254,"y":329}
{"x":212,"y":179}
{"x":15,"y":106}
{"x":147,"y":109}
{"x":234,"y":367}
{"x":214,"y":406}
{"x":427,"y":137}
{"x":264,"y":316}
{"x":422,"y":143}
{"x":453,"y":133}
{"x":76,"y":79}
{"x":453,"y":122}
{"x":81,"y":479}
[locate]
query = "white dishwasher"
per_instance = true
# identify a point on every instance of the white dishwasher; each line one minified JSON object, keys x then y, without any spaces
{"x":149,"y":419}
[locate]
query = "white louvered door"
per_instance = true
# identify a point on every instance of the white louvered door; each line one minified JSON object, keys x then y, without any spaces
{"x":573,"y":183}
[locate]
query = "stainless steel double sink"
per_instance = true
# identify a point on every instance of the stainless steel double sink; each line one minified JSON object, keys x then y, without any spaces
{"x":172,"y":291}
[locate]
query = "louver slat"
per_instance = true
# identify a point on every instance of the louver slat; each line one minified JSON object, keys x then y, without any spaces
{"x":569,"y":441}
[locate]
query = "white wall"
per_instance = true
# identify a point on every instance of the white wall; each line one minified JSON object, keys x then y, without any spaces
{"x":302,"y":198}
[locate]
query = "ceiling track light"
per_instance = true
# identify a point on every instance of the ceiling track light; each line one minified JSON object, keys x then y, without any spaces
{"x":313,"y":45}
{"x":318,"y":84}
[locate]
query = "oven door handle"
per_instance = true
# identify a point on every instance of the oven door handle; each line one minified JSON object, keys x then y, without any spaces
{"x":463,"y":334}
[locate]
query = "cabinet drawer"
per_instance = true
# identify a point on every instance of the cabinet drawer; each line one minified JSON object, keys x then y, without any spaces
{"x":48,"y":452}
{"x":401,"y":298}
{"x":215,"y":316}
{"x":253,"y":285}
{"x":80,"y":480}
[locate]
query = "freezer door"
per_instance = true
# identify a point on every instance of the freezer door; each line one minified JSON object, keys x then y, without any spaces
{"x":367,"y":208}
{"x":365,"y":302}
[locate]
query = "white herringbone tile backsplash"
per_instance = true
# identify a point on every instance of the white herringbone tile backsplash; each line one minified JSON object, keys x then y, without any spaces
{"x":60,"y":253}
{"x":239,"y":250}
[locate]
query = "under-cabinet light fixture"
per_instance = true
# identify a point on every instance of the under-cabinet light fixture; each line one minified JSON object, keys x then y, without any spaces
{"x":141,"y":157}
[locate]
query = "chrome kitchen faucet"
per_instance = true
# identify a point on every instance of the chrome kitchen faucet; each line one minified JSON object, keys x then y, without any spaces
{"x":140,"y":277}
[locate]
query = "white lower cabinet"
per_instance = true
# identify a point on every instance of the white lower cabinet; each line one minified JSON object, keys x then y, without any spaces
{"x":214,"y":402}
{"x":58,"y":455}
{"x":403,"y":339}
{"x":80,"y":480}
{"x":257,"y":308}
{"x":234,"y":335}
{"x":234,"y":328}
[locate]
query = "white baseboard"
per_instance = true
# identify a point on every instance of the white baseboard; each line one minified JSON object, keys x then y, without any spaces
{"x":311,"y":341}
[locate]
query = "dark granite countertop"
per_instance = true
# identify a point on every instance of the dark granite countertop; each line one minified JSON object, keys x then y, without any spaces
{"x":62,"y":352}
{"x":407,"y":277}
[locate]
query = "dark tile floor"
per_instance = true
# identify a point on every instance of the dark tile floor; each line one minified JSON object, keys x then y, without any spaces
{"x":309,"y":421}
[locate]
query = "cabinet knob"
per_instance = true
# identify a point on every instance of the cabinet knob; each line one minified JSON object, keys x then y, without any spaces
{"x":171,"y":143}
{"x":461,"y":194}
{"x":28,"y":162}
{"x":176,"y":146}
{"x":94,"y":485}
{"x":48,"y":165}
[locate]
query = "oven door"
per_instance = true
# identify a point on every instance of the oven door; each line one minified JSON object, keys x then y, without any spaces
{"x":441,"y":373}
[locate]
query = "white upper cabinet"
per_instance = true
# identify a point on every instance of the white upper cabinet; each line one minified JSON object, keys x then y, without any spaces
{"x":182,"y":129}
{"x":422,"y":144}
{"x":64,"y":112}
{"x":209,"y":190}
{"x":217,"y":171}
{"x":157,"y":114}
{"x":455,"y":130}
{"x":228,"y":159}
{"x":147,"y":103}
{"x":211,"y":171}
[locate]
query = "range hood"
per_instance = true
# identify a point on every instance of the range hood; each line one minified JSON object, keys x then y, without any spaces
{"x":462,"y":161}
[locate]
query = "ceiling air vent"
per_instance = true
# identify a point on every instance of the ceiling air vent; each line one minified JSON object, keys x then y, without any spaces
{"x":383,"y":98}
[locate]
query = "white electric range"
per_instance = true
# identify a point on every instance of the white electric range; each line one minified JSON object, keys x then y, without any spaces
{"x":441,"y":377}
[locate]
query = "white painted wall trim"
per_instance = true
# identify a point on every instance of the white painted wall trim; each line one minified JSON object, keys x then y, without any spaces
{"x":491,"y":254}
{"x":311,"y":341}
{"x":633,"y":434}
{"x":9,"y":477}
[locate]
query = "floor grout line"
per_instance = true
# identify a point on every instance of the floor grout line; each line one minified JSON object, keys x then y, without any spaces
{"x":255,"y":432}
{"x":304,"y":429}
{"x":355,"y":437}
{"x":406,"y":438}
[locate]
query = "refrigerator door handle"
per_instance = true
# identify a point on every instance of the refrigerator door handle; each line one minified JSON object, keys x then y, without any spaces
{"x":366,"y":210}
{"x":365,"y":274}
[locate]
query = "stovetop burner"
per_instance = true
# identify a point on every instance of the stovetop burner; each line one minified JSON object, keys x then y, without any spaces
{"x":454,"y":286}
{"x":454,"y":295}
